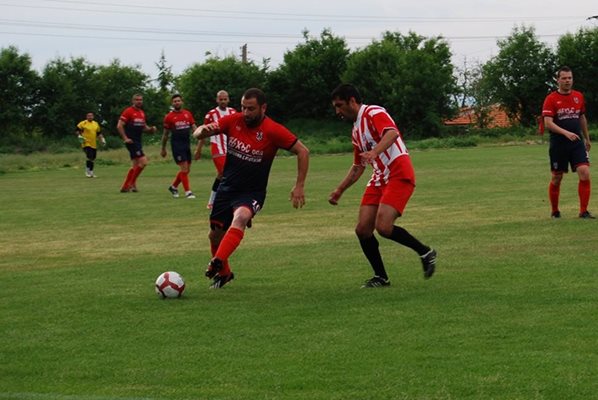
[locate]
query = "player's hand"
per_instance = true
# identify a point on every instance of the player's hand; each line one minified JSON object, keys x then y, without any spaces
{"x":209,"y":128}
{"x":103,"y":140}
{"x":334,"y":197}
{"x":368,"y":157}
{"x":572,"y":137}
{"x":588,"y":145}
{"x":128,"y":140}
{"x":153,"y":129}
{"x":163,"y":153}
{"x":197,"y":155}
{"x":81,"y":139}
{"x":297,"y":197}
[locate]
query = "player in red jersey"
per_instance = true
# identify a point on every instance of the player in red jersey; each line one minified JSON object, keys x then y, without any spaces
{"x":218,"y":142}
{"x":131,"y":126}
{"x":253,"y":140}
{"x":564,"y":116}
{"x":377,"y":141}
{"x":181,"y":123}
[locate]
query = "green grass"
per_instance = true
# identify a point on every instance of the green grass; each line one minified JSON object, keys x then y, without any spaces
{"x":510,"y":314}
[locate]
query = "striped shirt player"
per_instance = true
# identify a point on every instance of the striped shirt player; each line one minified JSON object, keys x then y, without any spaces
{"x":564,"y":116}
{"x":253,"y":140}
{"x":130,"y":126}
{"x":378,"y":142}
{"x":180,"y":123}
{"x":218,"y":142}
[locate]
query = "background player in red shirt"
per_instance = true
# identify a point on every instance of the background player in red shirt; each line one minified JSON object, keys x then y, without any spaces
{"x":181,"y":123}
{"x":377,"y":141}
{"x":131,"y":126}
{"x":253,"y":140}
{"x":564,"y":116}
{"x":218,"y":142}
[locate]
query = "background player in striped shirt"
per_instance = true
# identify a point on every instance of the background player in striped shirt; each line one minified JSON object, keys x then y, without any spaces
{"x":131,"y":126}
{"x":253,"y":140}
{"x":218,"y":142}
{"x":181,"y":124}
{"x":88,"y":132}
{"x":564,"y":116}
{"x":377,"y":141}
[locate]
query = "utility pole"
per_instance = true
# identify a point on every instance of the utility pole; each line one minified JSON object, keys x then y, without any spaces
{"x":244,"y":53}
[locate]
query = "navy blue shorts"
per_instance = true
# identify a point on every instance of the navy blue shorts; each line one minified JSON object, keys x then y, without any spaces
{"x":226,"y":203}
{"x":564,"y":154}
{"x":181,"y":153}
{"x":135,"y":150}
{"x":90,"y":152}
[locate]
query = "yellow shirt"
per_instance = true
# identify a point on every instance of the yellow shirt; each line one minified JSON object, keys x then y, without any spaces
{"x":90,"y":133}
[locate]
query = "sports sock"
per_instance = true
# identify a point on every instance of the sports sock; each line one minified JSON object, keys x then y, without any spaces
{"x":177,"y":180}
{"x":128,"y":179}
{"x":185,"y":180}
{"x":225,"y":264}
{"x":403,"y":237}
{"x":89,"y":165}
{"x":584,"y":189}
{"x":370,"y":248}
{"x":138,"y":170}
{"x":553,"y":195}
{"x":231,"y":240}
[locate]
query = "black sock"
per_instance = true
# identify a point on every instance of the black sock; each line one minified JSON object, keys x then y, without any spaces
{"x":215,"y":184}
{"x":89,"y":165}
{"x":372,"y":253}
{"x":403,"y":237}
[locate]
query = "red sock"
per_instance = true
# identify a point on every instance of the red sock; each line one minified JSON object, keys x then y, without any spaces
{"x":553,"y":195}
{"x":177,"y":180}
{"x":138,"y":170}
{"x":231,"y":240}
{"x":185,"y":180}
{"x":128,"y":179}
{"x":583,"y":188}
{"x":225,"y":264}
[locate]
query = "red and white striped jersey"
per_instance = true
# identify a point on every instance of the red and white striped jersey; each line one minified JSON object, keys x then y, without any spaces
{"x":218,"y":141}
{"x":369,"y":127}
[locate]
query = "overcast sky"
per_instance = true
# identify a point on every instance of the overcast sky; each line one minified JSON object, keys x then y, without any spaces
{"x":136,"y":32}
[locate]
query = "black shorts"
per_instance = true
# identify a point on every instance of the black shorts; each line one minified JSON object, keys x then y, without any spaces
{"x":562,"y":154}
{"x":181,"y":153}
{"x":90,"y":152}
{"x":226,"y":203}
{"x":135,"y":150}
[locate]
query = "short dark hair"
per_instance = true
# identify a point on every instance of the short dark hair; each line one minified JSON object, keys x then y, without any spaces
{"x":174,"y":96}
{"x":345,"y":91}
{"x":255,"y":93}
{"x":564,"y":68}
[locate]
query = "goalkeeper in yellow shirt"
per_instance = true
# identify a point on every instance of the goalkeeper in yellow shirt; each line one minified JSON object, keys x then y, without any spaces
{"x":88,"y":132}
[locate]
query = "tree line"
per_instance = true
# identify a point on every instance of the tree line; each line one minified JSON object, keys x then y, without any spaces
{"x":409,"y":74}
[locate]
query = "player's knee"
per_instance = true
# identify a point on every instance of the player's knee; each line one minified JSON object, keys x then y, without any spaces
{"x":384,"y":229}
{"x":556,"y":179}
{"x":363,"y":232}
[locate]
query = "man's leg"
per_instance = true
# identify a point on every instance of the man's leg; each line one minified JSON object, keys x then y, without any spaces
{"x":554,"y":190}
{"x":368,"y":242}
{"x":584,"y":190}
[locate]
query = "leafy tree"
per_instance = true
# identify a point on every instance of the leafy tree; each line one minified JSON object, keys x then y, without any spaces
{"x":199,"y":83}
{"x":165,"y":81}
{"x":580,"y":52}
{"x":301,"y":86}
{"x":114,"y":86}
{"x":409,"y":75}
{"x":18,"y":90}
{"x":66,"y":94}
{"x":519,"y":75}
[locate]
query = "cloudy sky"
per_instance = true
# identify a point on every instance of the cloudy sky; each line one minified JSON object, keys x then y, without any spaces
{"x":136,"y":32}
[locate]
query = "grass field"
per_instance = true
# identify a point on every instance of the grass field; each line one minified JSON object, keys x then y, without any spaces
{"x":512,"y":312}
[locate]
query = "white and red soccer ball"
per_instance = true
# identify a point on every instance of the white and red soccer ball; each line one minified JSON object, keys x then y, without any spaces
{"x":170,"y":285}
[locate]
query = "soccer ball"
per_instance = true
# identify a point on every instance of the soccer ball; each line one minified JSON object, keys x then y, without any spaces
{"x":170,"y":285}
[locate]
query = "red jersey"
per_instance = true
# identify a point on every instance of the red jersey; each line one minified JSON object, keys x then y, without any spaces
{"x":218,"y":141}
{"x":134,"y":119}
{"x":179,"y":123}
{"x":251,"y":152}
{"x":565,"y":110}
{"x":368,"y":129}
